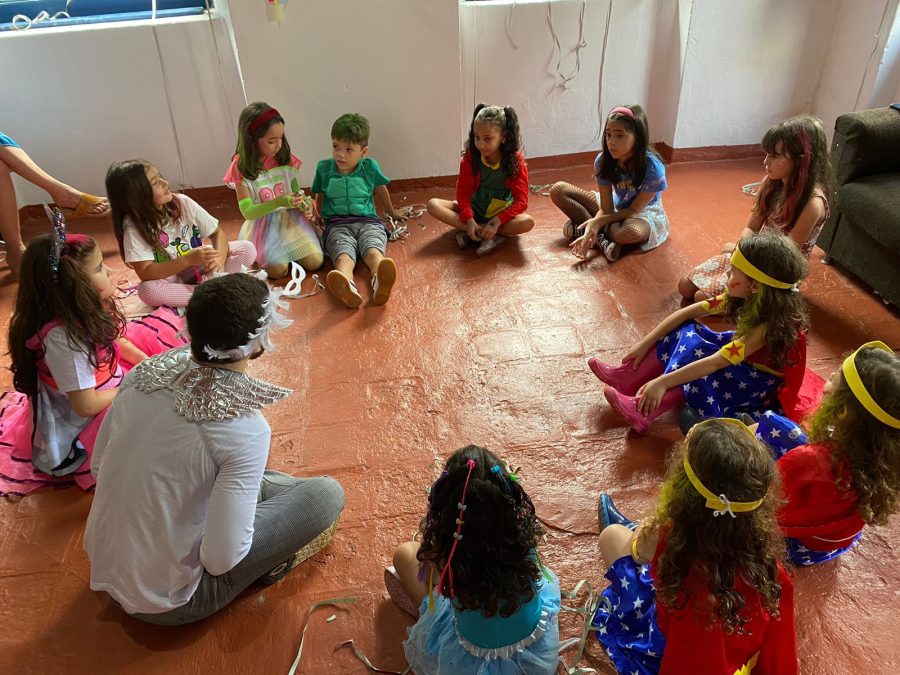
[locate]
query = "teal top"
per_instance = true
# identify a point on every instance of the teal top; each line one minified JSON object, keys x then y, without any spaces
{"x":350,"y":194}
{"x":498,"y":631}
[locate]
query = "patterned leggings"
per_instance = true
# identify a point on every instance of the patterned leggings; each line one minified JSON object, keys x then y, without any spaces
{"x":290,"y":513}
{"x":580,"y":205}
{"x":174,"y":293}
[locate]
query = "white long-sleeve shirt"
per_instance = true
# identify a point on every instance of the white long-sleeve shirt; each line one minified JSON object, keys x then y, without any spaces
{"x":173,"y":498}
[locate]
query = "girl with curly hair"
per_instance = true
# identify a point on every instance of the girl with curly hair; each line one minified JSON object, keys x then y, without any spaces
{"x":845,"y":473}
{"x":485,"y":603}
{"x":67,"y":340}
{"x":698,"y":587}
{"x":492,"y":188}
{"x":758,"y":366}
{"x":792,"y":199}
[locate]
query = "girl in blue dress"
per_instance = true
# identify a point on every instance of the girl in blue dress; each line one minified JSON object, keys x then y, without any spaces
{"x":485,"y":604}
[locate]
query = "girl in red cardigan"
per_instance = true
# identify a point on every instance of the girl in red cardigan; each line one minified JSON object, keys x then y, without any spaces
{"x":698,"y":589}
{"x":846,"y":472}
{"x":492,"y":188}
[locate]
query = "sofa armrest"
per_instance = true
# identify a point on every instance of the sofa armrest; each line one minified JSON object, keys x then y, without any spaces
{"x":865,"y":143}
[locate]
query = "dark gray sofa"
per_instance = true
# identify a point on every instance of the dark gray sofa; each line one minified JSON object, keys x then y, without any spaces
{"x":863,"y":232}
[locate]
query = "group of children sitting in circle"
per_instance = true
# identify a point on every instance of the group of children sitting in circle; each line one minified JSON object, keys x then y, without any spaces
{"x":776,"y":464}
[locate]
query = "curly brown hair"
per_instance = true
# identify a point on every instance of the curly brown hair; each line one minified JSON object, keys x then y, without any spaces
{"x":868,"y":448}
{"x":91,"y":324}
{"x":782,"y":311}
{"x":728,"y":460}
{"x":495,"y":566}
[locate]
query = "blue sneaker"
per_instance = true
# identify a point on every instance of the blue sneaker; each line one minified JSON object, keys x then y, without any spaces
{"x":608,"y":514}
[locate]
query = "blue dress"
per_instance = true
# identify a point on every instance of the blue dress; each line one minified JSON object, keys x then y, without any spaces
{"x":7,"y":141}
{"x":625,"y":621}
{"x":437,"y":646}
{"x":783,"y":435}
{"x":737,"y":388}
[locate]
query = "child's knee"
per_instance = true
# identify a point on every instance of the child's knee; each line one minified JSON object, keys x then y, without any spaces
{"x":405,"y":555}
{"x":312,"y":262}
{"x":433,"y":206}
{"x":558,"y":192}
{"x":687,"y":288}
{"x":614,"y":542}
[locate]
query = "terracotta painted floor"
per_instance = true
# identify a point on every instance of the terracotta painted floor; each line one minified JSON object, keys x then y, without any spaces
{"x":488,"y":351}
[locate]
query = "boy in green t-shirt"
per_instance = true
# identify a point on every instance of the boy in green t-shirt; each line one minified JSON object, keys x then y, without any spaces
{"x":345,"y":188}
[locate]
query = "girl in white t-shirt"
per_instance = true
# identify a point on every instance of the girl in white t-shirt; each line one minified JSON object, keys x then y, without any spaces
{"x":161,"y":235}
{"x":70,"y":347}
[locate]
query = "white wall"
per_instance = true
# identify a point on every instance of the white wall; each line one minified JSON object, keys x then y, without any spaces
{"x":887,"y":82}
{"x":77,"y":99}
{"x":643,"y":64}
{"x":395,"y":61}
{"x":854,"y":59}
{"x":709,"y":72}
{"x":748,"y":65}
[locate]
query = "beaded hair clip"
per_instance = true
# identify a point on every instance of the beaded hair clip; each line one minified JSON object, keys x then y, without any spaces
{"x":57,"y":238}
{"x":457,"y":536}
{"x":505,"y":477}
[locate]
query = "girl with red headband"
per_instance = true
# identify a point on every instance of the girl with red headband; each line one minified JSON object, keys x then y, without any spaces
{"x":845,"y":472}
{"x":484,"y":602}
{"x":792,"y":199}
{"x":67,"y":340}
{"x":266,"y":179}
{"x":627,"y":208}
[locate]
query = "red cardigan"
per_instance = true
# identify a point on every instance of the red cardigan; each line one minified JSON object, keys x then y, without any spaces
{"x":694,"y":649}
{"x":467,"y":184}
{"x":819,"y":514}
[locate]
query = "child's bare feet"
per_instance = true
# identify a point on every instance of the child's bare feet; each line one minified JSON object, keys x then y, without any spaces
{"x":343,"y":289}
{"x":383,"y":281}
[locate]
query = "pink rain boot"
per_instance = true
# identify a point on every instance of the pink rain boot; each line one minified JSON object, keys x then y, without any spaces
{"x":624,"y":378}
{"x":626,"y":406}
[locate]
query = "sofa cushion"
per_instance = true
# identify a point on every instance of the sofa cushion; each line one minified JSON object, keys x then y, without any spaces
{"x":873,"y":203}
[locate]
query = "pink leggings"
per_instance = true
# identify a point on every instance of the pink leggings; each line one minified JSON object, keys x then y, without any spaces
{"x":174,"y":293}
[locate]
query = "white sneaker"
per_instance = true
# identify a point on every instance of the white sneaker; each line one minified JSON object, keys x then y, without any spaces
{"x":488,"y":245}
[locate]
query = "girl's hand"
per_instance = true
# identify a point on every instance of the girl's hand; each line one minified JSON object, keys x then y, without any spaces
{"x":729,"y":247}
{"x":216,"y":265}
{"x":473,"y":230}
{"x":583,"y":245}
{"x":636,"y":354}
{"x":650,"y":396}
{"x":489,"y":229}
{"x":400,"y":216}
{"x":202,"y":257}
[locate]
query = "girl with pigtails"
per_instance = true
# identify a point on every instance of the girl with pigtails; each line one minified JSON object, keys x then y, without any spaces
{"x":484,"y":602}
{"x":492,"y":188}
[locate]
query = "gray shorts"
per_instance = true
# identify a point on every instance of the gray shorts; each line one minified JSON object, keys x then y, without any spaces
{"x":347,"y":236}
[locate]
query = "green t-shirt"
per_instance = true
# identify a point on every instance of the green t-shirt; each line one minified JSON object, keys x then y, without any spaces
{"x":492,"y":195}
{"x":350,"y":194}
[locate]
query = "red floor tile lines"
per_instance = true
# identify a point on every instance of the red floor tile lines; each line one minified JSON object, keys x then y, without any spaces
{"x":490,"y":351}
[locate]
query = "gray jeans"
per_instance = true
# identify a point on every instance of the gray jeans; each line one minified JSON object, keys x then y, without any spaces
{"x":290,"y":513}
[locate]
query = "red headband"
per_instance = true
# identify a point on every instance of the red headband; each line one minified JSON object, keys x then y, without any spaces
{"x":262,"y":118}
{"x":622,"y":110}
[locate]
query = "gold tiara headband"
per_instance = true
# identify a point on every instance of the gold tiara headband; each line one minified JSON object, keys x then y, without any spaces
{"x":740,"y":262}
{"x":721,"y":504}
{"x":851,"y":374}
